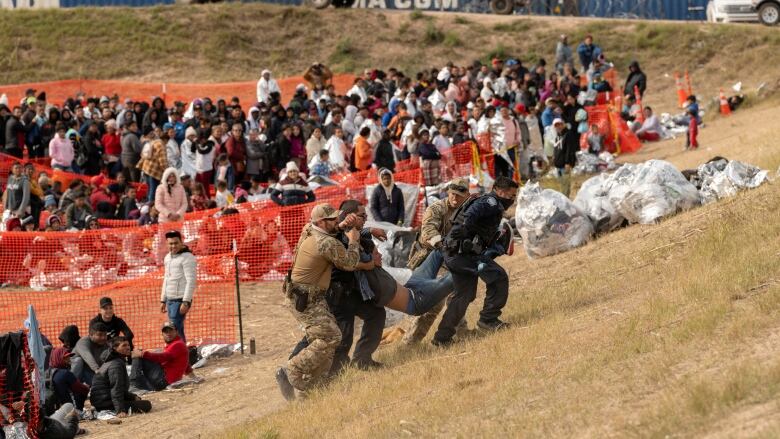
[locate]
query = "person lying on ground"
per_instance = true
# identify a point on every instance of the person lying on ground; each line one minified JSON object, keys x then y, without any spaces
{"x":111,"y":387}
{"x":154,"y":370}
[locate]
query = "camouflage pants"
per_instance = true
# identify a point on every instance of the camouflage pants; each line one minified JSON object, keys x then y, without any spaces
{"x":309,"y":365}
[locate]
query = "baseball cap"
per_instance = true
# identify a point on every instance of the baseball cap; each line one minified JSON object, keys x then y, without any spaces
{"x":168,"y":325}
{"x":459,"y":186}
{"x":106,"y":301}
{"x":323,"y":211}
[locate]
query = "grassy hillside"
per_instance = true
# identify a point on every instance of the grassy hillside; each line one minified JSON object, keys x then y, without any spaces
{"x":228,"y":42}
{"x":653,"y":331}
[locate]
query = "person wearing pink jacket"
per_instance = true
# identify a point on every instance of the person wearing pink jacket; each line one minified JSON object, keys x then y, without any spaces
{"x":61,"y":149}
{"x":170,"y":198}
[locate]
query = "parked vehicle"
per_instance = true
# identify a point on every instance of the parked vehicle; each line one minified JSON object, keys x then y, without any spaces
{"x":731,"y":11}
{"x":768,"y":11}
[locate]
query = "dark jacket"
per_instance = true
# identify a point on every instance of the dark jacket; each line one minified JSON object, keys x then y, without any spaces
{"x":635,"y":78}
{"x":386,"y":209}
{"x":477,"y":217}
{"x":131,"y":149}
{"x":14,"y":132}
{"x":428,"y":151}
{"x":384,"y":156}
{"x":110,"y":387}
{"x":94,"y":152}
{"x":566,"y":146}
{"x":115,"y":326}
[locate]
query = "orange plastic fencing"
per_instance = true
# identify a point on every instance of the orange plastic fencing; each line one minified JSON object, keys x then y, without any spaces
{"x":64,"y":274}
{"x":21,"y":389}
{"x":618,"y":137}
{"x":58,"y":91}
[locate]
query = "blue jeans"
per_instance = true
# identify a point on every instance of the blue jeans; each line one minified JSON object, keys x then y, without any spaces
{"x":152,"y":183}
{"x":176,"y":317}
{"x":425,"y":290}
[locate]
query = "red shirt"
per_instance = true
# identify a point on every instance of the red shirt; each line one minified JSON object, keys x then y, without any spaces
{"x":111,"y":144}
{"x":174,"y":359}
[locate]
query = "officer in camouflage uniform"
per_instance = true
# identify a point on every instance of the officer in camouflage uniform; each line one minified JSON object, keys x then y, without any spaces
{"x":436,"y":225}
{"x":305,"y":288}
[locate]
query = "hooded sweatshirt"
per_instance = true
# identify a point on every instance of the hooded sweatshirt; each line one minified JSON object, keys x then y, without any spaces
{"x":61,"y":152}
{"x":170,"y":199}
{"x":17,"y":194}
{"x":266,"y":87}
{"x":387,"y":202}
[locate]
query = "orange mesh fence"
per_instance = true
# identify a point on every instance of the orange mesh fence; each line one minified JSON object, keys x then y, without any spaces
{"x":19,"y":394}
{"x":618,"y":137}
{"x":64,"y":274}
{"x":58,"y":91}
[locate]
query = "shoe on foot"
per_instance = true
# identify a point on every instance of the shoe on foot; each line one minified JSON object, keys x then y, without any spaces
{"x":493,"y":325}
{"x":441,"y":343}
{"x":368,"y":364}
{"x":287,"y":389}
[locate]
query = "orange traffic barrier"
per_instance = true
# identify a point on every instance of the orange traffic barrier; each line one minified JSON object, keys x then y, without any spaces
{"x":725,"y":110}
{"x":682,"y":96}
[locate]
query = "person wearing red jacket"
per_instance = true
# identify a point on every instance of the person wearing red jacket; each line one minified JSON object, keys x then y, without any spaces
{"x":153,"y":370}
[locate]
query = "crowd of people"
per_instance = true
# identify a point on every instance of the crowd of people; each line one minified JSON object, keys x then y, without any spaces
{"x":226,"y":152}
{"x":94,"y":367}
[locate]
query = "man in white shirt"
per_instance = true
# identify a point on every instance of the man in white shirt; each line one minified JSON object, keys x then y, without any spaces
{"x":265,"y":86}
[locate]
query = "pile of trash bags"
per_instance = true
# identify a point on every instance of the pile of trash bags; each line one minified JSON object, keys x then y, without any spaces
{"x":723,"y":178}
{"x":588,"y":163}
{"x":549,"y":222}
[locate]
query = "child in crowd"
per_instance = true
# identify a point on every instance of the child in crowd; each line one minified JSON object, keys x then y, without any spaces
{"x":224,"y":171}
{"x":199,"y":200}
{"x":692,"y":142}
{"x":223,"y":198}
{"x":149,"y":216}
{"x":320,"y":165}
{"x":595,"y":140}
{"x":128,"y":207}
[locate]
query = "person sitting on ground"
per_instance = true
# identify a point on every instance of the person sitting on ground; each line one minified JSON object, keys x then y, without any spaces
{"x":153,"y":370}
{"x":67,"y":388}
{"x":111,"y":387}
{"x":384,"y":156}
{"x":387,"y":200}
{"x":69,"y":337}
{"x":88,"y":353}
{"x":595,"y":140}
{"x":292,"y":189}
{"x":114,"y":324}
{"x":651,"y":130}
{"x":128,"y":205}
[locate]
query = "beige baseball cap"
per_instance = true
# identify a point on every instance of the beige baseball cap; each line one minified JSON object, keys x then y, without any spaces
{"x":323,"y":211}
{"x":459,"y":186}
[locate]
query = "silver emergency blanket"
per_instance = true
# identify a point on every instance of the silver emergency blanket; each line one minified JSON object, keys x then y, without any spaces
{"x":549,"y":223}
{"x":588,"y":163}
{"x":722,"y":178}
{"x":395,"y":249}
{"x":593,"y":200}
{"x":650,"y":191}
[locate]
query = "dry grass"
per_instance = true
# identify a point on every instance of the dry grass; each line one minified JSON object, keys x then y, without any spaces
{"x":653,"y":331}
{"x":234,"y":41}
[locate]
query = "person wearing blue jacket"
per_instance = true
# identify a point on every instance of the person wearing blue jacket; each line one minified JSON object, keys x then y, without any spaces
{"x":587,"y":51}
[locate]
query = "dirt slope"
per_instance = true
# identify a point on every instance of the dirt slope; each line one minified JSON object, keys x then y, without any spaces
{"x":582,"y":361}
{"x":234,"y":41}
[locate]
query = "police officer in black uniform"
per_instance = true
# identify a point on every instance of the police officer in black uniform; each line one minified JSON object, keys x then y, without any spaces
{"x":468,"y":256}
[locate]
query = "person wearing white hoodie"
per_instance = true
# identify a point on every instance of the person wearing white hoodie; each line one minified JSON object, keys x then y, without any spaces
{"x":188,"y":154}
{"x":265,"y":86}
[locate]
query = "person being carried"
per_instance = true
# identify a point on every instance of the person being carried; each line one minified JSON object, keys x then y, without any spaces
{"x":154,"y":370}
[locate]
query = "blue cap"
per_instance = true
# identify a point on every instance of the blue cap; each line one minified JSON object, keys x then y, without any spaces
{"x":167,"y":126}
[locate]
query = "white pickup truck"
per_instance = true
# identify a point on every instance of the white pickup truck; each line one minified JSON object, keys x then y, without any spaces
{"x":744,"y":11}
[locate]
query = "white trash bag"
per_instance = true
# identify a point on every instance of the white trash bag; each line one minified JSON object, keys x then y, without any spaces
{"x":655,"y":189}
{"x":721,"y":179}
{"x":549,"y":222}
{"x":593,"y":200}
